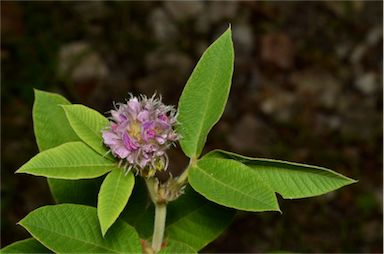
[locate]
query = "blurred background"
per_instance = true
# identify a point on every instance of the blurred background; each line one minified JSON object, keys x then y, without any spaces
{"x":307,"y":87}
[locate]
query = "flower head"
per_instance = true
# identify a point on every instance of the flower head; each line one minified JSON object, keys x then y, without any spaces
{"x":140,"y":132}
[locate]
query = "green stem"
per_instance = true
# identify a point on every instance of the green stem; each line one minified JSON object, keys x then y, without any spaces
{"x":151,"y":189}
{"x":158,"y":232}
{"x":183,"y":177}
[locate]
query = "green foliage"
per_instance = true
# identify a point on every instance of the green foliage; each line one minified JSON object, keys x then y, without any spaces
{"x":113,"y":196}
{"x":49,"y":122}
{"x":82,"y":191}
{"x":73,"y":160}
{"x":88,"y":124}
{"x":205,"y":95}
{"x":232,"y":184}
{"x":75,"y":228}
{"x":51,"y":129}
{"x":71,"y":148}
{"x":29,"y":245}
{"x":290,"y":180}
{"x":195,"y":221}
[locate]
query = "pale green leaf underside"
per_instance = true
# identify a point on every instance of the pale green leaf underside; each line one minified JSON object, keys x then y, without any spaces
{"x":205,"y":95}
{"x":73,"y":160}
{"x":174,"y":247}
{"x":232,"y":184}
{"x":70,"y":228}
{"x":29,"y":245}
{"x":113,"y":196}
{"x":195,"y":221}
{"x":290,"y":180}
{"x":52,"y":129}
{"x":88,"y":124}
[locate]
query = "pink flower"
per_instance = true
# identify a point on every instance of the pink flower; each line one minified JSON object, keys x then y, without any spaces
{"x":140,"y":132}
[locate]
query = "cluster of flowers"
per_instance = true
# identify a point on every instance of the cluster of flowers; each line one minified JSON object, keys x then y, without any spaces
{"x":140,"y":132}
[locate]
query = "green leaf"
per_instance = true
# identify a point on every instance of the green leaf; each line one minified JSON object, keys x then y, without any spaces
{"x":52,"y":129}
{"x":75,"y":228}
{"x":177,"y":247}
{"x":82,"y":191}
{"x":195,"y":221}
{"x":49,"y":121}
{"x":232,"y":184}
{"x":113,"y":196}
{"x":290,"y":180}
{"x":88,"y":124}
{"x":73,"y":160}
{"x":29,"y":245}
{"x":205,"y":95}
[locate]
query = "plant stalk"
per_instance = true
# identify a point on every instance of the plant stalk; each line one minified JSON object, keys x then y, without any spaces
{"x":183,"y":177}
{"x":158,"y":232}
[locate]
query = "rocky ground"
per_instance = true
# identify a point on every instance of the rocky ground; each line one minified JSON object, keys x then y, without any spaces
{"x":307,"y":87}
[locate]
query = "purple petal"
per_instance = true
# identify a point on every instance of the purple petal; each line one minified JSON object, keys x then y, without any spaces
{"x":131,"y":158}
{"x":143,"y":116}
{"x":114,"y":127}
{"x":129,"y":142}
{"x":160,"y":140}
{"x":121,"y":151}
{"x":147,"y":125}
{"x":110,"y":138}
{"x":122,"y":117}
{"x":115,"y":115}
{"x":164,"y":118}
{"x":134,"y":106}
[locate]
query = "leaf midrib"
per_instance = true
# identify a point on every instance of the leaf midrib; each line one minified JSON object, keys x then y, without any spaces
{"x":200,"y":123}
{"x":114,"y":195}
{"x":85,"y":124}
{"x":307,"y":170}
{"x":204,"y":115}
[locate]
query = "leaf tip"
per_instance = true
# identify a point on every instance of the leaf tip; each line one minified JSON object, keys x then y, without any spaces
{"x":20,"y":170}
{"x":103,"y":226}
{"x":228,"y":31}
{"x":350,"y":180}
{"x":20,"y":222}
{"x":104,"y":229}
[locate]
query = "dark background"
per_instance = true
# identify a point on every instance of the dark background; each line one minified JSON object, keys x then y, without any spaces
{"x":307,"y":87}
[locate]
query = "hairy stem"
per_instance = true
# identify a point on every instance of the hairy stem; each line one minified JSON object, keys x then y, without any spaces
{"x":158,"y":232}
